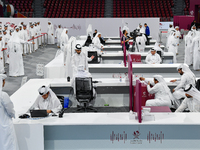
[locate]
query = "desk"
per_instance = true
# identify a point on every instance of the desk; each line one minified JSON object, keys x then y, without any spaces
{"x":119,"y":47}
{"x":118,"y":38}
{"x":100,"y":130}
{"x":111,"y":57}
{"x":137,"y":68}
{"x":118,"y":42}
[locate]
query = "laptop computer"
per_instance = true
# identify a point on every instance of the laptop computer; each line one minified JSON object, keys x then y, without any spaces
{"x":38,"y":113}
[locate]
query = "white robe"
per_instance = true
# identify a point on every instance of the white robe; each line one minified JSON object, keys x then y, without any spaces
{"x":16,"y":66}
{"x":172,"y":47}
{"x":25,"y":37}
{"x":185,"y":80}
{"x":161,"y":96}
{"x":8,"y":140}
{"x":168,"y":37}
{"x":177,"y":36}
{"x":153,"y":59}
{"x":50,"y":31}
{"x":63,"y":40}
{"x":5,"y":40}
{"x":2,"y":70}
{"x":97,"y":44}
{"x":51,"y":103}
{"x":58,"y":35}
{"x":140,"y":43}
{"x":36,"y":40}
{"x":31,"y":35}
{"x":196,"y":53}
{"x":192,"y":104}
{"x":79,"y":59}
{"x":188,"y":50}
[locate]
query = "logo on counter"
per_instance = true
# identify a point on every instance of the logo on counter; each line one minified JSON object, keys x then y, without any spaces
{"x":118,"y":137}
{"x":155,"y":137}
{"x":136,"y":139}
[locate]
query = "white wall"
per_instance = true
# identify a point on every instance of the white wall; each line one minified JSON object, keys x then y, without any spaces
{"x":107,"y":26}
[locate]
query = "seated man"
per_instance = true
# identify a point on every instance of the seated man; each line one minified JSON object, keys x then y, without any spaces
{"x":163,"y":95}
{"x":152,"y":57}
{"x":47,"y":100}
{"x":187,"y":77}
{"x":192,"y":100}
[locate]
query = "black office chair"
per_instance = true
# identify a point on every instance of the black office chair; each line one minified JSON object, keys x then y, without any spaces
{"x":84,"y":93}
{"x":160,"y":53}
{"x":198,"y":84}
{"x":95,"y":60}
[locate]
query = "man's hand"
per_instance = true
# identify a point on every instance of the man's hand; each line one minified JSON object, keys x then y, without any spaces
{"x":33,"y":42}
{"x":55,"y":37}
{"x":148,"y":83}
{"x":8,"y":56}
{"x":1,"y":58}
{"x":51,"y":34}
{"x":92,"y":57}
{"x":142,"y":79}
{"x":173,"y":90}
{"x":173,"y":81}
{"x":49,"y":111}
{"x":6,"y":43}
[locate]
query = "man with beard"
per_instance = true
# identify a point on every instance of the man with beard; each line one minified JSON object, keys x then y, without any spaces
{"x":187,"y":77}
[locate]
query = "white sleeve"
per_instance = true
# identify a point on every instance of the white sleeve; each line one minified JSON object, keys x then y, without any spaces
{"x":8,"y":105}
{"x":159,"y":59}
{"x":181,"y":84}
{"x":183,"y":106}
{"x":57,"y":106}
{"x":151,"y":82}
{"x":147,"y":60}
{"x":154,"y":89}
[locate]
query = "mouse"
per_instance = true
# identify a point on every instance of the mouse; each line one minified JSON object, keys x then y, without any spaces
{"x":24,"y":116}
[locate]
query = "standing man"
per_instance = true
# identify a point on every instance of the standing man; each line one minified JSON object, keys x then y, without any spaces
{"x":25,"y":38}
{"x":50,"y":32}
{"x":147,"y":30}
{"x":177,"y":36}
{"x":79,"y":58}
{"x":8,"y":139}
{"x":64,"y":39}
{"x":58,"y":35}
{"x":196,"y":51}
{"x":126,"y":39}
{"x":97,"y":43}
{"x":187,"y":77}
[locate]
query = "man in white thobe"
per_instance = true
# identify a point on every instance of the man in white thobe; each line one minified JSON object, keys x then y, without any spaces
{"x":16,"y":66}
{"x":39,"y":32}
{"x":141,"y":29}
{"x":8,"y":140}
{"x":188,"y":48}
{"x":97,"y":43}
{"x":32,"y":36}
{"x":192,"y":100}
{"x":25,"y":37}
{"x":79,"y":58}
{"x":177,"y":36}
{"x":152,"y":57}
{"x":125,"y":27}
{"x":163,"y":95}
{"x":64,"y":39}
{"x":196,"y":51}
{"x":172,"y":43}
{"x":187,"y":77}
{"x":47,"y":100}
{"x":2,"y":70}
{"x":140,"y":44}
{"x":89,"y":30}
{"x":58,"y":35}
{"x":6,"y":38}
{"x":50,"y":32}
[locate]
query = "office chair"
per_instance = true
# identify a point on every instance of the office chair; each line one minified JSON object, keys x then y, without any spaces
{"x":198,"y":84}
{"x":160,"y":53}
{"x":84,"y":93}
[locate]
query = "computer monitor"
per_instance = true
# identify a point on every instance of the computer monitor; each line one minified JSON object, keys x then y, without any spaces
{"x":93,"y":53}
